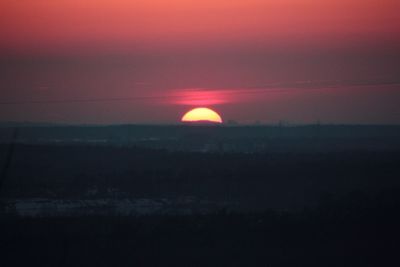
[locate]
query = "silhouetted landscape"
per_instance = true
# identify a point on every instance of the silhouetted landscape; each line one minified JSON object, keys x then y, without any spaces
{"x":199,"y":133}
{"x":317,"y":195}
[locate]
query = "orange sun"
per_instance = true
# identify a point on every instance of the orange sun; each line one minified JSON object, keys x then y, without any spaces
{"x":201,"y":115}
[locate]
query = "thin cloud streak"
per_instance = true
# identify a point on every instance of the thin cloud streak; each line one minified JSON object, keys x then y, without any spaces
{"x":213,"y":96}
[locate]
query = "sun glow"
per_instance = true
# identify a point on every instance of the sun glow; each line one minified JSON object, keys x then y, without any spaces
{"x":202,"y":115}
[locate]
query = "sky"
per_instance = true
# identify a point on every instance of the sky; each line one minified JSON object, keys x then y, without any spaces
{"x":127,"y":61}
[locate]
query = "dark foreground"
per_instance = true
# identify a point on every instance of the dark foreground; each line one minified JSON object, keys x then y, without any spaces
{"x":354,"y":231}
{"x":209,"y":196}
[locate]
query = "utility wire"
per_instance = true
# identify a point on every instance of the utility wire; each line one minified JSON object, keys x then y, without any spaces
{"x":249,"y":91}
{"x":273,"y":88}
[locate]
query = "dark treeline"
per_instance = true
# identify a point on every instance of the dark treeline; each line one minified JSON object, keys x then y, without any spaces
{"x":258,"y":180}
{"x":302,"y":196}
{"x":355,"y":230}
{"x":310,"y":138}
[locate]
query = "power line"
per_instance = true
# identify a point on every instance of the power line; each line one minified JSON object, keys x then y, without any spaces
{"x":253,"y":90}
{"x":273,"y":88}
{"x":84,"y":100}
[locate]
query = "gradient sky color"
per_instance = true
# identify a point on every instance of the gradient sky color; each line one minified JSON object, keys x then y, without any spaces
{"x":104,"y":61}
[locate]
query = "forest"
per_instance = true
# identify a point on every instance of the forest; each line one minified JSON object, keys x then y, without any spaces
{"x":301,"y":198}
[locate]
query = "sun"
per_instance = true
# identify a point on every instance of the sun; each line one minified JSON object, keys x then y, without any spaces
{"x":202,"y":115}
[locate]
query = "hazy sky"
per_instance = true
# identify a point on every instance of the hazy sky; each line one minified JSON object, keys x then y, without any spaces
{"x":127,"y":61}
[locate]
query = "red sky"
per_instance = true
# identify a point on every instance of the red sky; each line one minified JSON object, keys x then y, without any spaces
{"x":296,"y":60}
